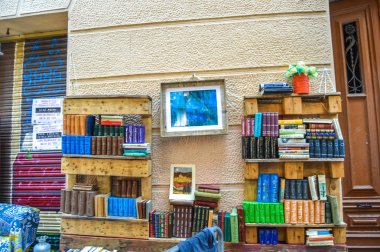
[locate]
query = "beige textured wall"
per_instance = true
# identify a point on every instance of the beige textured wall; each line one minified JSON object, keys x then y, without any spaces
{"x":130,"y":47}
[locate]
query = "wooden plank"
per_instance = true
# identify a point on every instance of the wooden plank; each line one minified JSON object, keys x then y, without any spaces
{"x":281,"y":234}
{"x":277,"y":168}
{"x":251,"y":235}
{"x":250,"y":189}
{"x":270,"y":96}
{"x":107,"y":106}
{"x":146,"y":187}
{"x":109,"y":167}
{"x":109,"y":218}
{"x":71,"y":179}
{"x":334,"y":104}
{"x":295,"y":235}
{"x":298,"y":225}
{"x":147,"y":121}
{"x":336,"y":170}
{"x":251,"y":171}
{"x":276,"y":160}
{"x":112,"y":228}
{"x":339,"y":235}
{"x":104,"y":183}
{"x":292,"y":105}
{"x":311,"y":168}
{"x":294,"y":170}
{"x":271,"y":107}
{"x":106,"y":156}
{"x":314,"y":108}
{"x":250,"y":107}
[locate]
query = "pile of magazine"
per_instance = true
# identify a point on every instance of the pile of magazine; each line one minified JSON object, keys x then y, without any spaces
{"x":276,"y":88}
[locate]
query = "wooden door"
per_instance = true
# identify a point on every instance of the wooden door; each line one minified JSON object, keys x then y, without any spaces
{"x":356,"y":40}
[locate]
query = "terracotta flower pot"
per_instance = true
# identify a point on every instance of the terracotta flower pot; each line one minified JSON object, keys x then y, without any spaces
{"x":301,"y":84}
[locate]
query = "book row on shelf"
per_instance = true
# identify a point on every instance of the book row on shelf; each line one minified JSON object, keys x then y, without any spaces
{"x":264,"y":136}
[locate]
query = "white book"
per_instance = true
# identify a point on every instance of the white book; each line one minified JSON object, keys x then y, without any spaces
{"x":290,"y":140}
{"x":292,"y":136}
{"x":294,"y":156}
{"x":313,"y":189}
{"x":317,"y":120}
{"x":338,"y":131}
{"x":292,"y":131}
{"x":322,"y":187}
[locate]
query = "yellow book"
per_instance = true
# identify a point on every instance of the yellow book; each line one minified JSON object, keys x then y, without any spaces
{"x":210,"y":216}
{"x":286,"y":122}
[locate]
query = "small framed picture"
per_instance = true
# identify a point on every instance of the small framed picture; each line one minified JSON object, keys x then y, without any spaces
{"x":182,"y":182}
{"x":193,"y":108}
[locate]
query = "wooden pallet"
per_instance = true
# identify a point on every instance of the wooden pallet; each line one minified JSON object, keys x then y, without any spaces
{"x":293,"y":107}
{"x":103,"y":167}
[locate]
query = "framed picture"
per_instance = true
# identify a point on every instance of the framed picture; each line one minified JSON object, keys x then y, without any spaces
{"x":182,"y":182}
{"x":193,"y":108}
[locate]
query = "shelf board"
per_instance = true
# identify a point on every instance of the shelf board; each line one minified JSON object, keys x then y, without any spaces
{"x":108,"y":96}
{"x":277,"y":160}
{"x":294,"y":225}
{"x":108,"y":218}
{"x":106,"y":156}
{"x":291,"y":95}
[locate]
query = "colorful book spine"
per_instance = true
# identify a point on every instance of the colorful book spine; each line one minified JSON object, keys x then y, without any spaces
{"x":234,"y":226}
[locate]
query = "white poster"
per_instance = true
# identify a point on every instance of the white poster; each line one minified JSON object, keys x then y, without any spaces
{"x":47,"y":111}
{"x":47,"y":137}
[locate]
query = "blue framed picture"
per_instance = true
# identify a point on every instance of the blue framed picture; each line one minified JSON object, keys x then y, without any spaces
{"x":193,"y":108}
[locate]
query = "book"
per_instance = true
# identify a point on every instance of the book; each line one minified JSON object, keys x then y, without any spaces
{"x":282,"y":189}
{"x":335,"y":212}
{"x":311,"y":211}
{"x":293,"y":211}
{"x":293,"y":189}
{"x":322,"y":187}
{"x":292,"y":122}
{"x":318,"y":120}
{"x":305,"y":211}
{"x":258,"y":121}
{"x":287,"y":211}
{"x":300,"y":218}
{"x":299,"y":189}
{"x":234,"y":226}
{"x":75,"y":202}
{"x":328,"y":215}
{"x":241,"y":224}
{"x":337,"y":129}
{"x":265,"y":187}
{"x":323,"y":212}
{"x":312,"y":187}
{"x":227,"y":227}
{"x":273,"y":190}
{"x":207,"y":195}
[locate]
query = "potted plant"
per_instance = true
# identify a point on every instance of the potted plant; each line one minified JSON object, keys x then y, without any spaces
{"x":300,"y":74}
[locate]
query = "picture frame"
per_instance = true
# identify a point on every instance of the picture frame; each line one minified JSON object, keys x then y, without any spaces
{"x":182,"y":182}
{"x":193,"y":108}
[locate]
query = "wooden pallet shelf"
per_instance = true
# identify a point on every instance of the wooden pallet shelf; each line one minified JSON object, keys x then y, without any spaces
{"x":104,"y":166}
{"x":292,"y":107}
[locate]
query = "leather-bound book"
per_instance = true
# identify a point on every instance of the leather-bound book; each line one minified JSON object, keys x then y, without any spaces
{"x":93,"y":146}
{"x":77,"y":125}
{"x":74,"y":202}
{"x":68,"y":201}
{"x":120,"y":141}
{"x":114,"y":146}
{"x":134,"y":189}
{"x":82,"y":125}
{"x":90,"y":204}
{"x":82,"y":203}
{"x":64,"y":126}
{"x":129,"y":188}
{"x":72,"y":125}
{"x":62,"y":205}
{"x":119,"y":188}
{"x":114,"y":186}
{"x":109,"y":146}
{"x":99,"y":146}
{"x":104,"y":146}
{"x":123,"y":188}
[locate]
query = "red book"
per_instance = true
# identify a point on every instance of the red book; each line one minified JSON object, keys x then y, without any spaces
{"x":271,"y":125}
{"x":265,"y":124}
{"x":209,"y":187}
{"x":241,"y":225}
{"x":151,"y":226}
{"x":110,"y":123}
{"x":248,"y":127}
{"x":205,"y":203}
{"x":243,"y":127}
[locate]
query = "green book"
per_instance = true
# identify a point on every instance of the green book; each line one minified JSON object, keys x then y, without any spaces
{"x":227,"y":227}
{"x":96,"y":130}
{"x":262,"y":212}
{"x":272,"y":209}
{"x":277,"y":213}
{"x":267,"y":212}
{"x":281,"y":213}
{"x":112,"y":130}
{"x":101,"y":130}
{"x":106,"y":130}
{"x":257,"y":212}
{"x":121,"y":131}
{"x":234,"y":226}
{"x":247,"y":211}
{"x":208,"y":195}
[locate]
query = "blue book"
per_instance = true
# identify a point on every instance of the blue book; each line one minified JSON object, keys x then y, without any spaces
{"x":341,"y":148}
{"x":262,"y":235}
{"x":81,"y":145}
{"x":129,"y":133}
{"x":259,"y":188}
{"x":305,"y":188}
{"x":323,"y":232}
{"x":317,"y":148}
{"x":122,"y":206}
{"x":73,"y":144}
{"x":299,"y":189}
{"x":292,"y":187}
{"x":135,"y":134}
{"x":90,"y":122}
{"x":115,"y":207}
{"x":63,"y":143}
{"x":274,"y":236}
{"x":330,"y":149}
{"x":323,"y":148}
{"x":258,"y":121}
{"x":141,"y":133}
{"x":268,"y":236}
{"x":273,"y":195}
{"x":287,"y":189}
{"x":311,"y":148}
{"x":110,"y":210}
{"x":265,"y":188}
{"x":87,"y":146}
{"x":336,"y":148}
{"x":134,"y":212}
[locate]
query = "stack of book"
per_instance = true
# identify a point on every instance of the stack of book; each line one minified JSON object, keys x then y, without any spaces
{"x":267,"y":188}
{"x":305,"y":211}
{"x":111,"y":120}
{"x":136,"y":149}
{"x":143,"y":208}
{"x":207,"y":195}
{"x":325,"y":138}
{"x":258,"y":212}
{"x":126,"y":187}
{"x":275,"y":88}
{"x":319,"y":237}
{"x":268,"y":236}
{"x":160,"y":224}
{"x":182,"y":218}
{"x":78,"y":202}
{"x":291,"y":141}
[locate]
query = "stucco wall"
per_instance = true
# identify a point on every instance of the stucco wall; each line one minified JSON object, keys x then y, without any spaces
{"x":17,"y":8}
{"x":130,"y":47}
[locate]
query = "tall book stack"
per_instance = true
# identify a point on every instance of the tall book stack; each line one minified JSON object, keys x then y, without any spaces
{"x":136,"y":150}
{"x":208,"y":196}
{"x":291,"y":141}
{"x":319,"y":237}
{"x":325,"y":138}
{"x":260,"y":134}
{"x":160,"y":224}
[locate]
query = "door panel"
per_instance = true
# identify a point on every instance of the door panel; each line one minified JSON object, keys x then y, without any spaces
{"x":355,"y":32}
